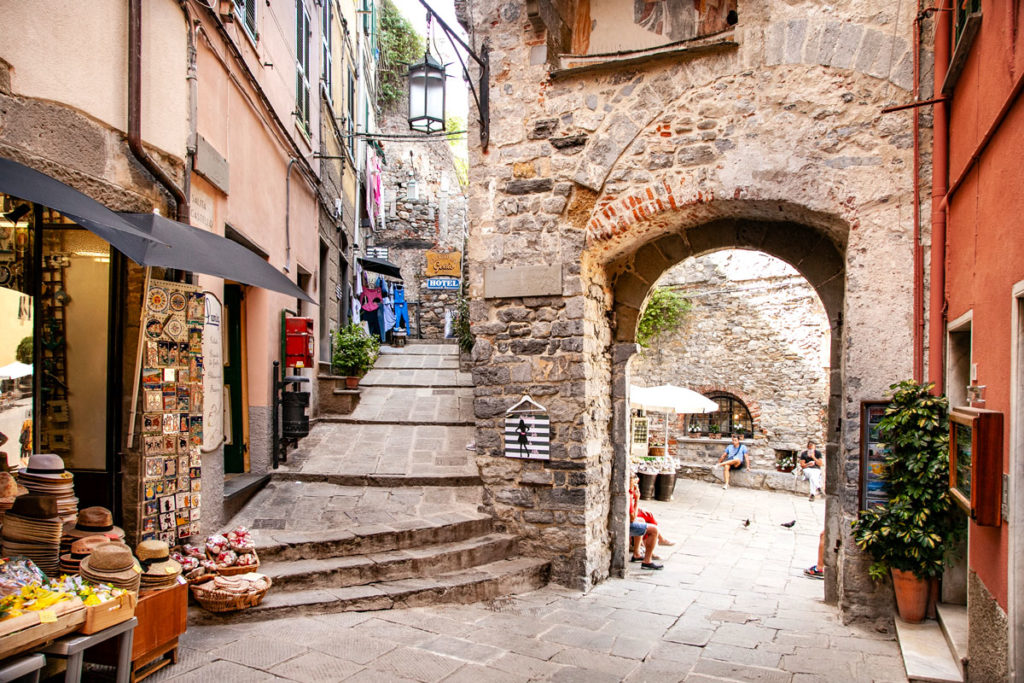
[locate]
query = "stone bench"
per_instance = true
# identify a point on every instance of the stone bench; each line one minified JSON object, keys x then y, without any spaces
{"x":750,"y":478}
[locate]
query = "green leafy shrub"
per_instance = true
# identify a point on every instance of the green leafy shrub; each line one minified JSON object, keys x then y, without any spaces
{"x":353,"y":351}
{"x":23,"y":354}
{"x":463,"y":332}
{"x":400,"y":46}
{"x":920,"y":524}
{"x":665,"y":312}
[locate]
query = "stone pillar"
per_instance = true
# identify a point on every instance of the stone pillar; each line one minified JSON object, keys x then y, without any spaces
{"x":621,"y":438}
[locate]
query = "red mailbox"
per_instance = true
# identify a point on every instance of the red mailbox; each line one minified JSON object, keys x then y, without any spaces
{"x":298,"y":342}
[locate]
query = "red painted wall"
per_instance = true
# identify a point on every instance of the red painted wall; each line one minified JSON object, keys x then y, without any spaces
{"x":985,"y":253}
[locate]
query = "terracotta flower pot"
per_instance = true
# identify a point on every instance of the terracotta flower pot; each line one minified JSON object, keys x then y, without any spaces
{"x":911,"y":595}
{"x":351,"y":382}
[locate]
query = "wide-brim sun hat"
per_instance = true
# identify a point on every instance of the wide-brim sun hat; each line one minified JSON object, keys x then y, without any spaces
{"x":45,"y":466}
{"x":93,"y":521}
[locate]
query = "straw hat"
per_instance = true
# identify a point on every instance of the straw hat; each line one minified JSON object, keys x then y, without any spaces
{"x":80,"y":549}
{"x":95,"y":520}
{"x":45,"y":466}
{"x":158,"y":570}
{"x":112,"y":563}
{"x":10,"y":488}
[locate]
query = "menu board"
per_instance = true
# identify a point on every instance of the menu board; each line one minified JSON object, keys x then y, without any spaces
{"x":172,"y":410}
{"x":873,"y":487}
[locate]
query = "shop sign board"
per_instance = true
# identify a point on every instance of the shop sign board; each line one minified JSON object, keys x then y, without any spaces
{"x":201,"y":209}
{"x":213,"y":378}
{"x":444,"y":264}
{"x":527,"y":431}
{"x":443,"y":283}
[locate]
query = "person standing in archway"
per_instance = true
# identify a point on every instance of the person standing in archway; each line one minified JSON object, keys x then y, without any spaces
{"x":735,"y":456}
{"x":811,"y":461}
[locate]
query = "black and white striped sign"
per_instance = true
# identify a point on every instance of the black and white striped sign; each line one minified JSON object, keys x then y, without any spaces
{"x":528,"y":436}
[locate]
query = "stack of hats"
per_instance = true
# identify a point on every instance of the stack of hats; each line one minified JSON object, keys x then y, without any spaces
{"x":70,"y":562}
{"x":9,"y":490}
{"x":46,"y":476}
{"x":112,"y":562}
{"x":92,"y":521}
{"x":32,"y":529}
{"x":158,"y":569}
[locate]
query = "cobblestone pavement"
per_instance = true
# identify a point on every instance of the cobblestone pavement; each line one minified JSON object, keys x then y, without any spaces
{"x":731,"y":604}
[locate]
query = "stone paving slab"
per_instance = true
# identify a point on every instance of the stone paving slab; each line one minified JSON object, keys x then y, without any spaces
{"x":682,"y":623}
{"x":373,"y":449}
{"x":417,"y":406}
{"x":412,"y":377}
{"x":417,"y":361}
{"x":416,"y":348}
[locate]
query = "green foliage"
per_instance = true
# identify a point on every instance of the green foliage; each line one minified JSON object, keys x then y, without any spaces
{"x":24,"y":352}
{"x":665,"y":312}
{"x":463,"y":333}
{"x":353,"y":351}
{"x":920,"y":524}
{"x":400,"y":45}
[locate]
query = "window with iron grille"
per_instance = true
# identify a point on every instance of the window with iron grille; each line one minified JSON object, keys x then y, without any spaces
{"x":302,"y":65}
{"x":732,"y":417}
{"x":246,"y":11}
{"x":326,"y":43}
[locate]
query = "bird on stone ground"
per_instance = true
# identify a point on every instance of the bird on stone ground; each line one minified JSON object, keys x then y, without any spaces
{"x":788,"y":525}
{"x":746,"y":522}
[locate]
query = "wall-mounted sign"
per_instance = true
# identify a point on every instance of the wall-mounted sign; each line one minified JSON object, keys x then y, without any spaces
{"x":213,"y":378}
{"x":444,"y":265}
{"x":201,"y":209}
{"x":527,"y":431}
{"x":443,"y":283}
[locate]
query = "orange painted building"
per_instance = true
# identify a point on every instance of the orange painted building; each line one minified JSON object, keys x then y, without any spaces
{"x":977,"y":302}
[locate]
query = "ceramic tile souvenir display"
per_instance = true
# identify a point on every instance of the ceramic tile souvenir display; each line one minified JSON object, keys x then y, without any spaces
{"x":32,"y":529}
{"x":9,"y":490}
{"x":172,"y":411}
{"x":158,"y":569}
{"x":45,"y":475}
{"x":70,"y":562}
{"x":112,"y":563}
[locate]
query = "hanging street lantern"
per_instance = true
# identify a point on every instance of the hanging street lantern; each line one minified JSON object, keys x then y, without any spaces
{"x":427,"y":81}
{"x":426,"y":95}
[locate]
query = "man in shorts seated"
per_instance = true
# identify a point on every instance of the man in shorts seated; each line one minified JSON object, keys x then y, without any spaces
{"x":735,"y":456}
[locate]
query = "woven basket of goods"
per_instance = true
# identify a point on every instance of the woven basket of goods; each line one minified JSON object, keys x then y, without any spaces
{"x":234,"y":553}
{"x":232,"y":593}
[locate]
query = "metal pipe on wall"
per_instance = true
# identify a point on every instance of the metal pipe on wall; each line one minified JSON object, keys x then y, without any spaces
{"x":940,"y":176}
{"x":135,"y":112}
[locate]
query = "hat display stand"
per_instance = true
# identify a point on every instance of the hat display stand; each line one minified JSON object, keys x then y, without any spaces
{"x":32,"y":529}
{"x":45,"y":475}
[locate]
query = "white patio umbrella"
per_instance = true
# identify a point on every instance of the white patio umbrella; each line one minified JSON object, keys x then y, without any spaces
{"x":15,"y":370}
{"x":668,"y":398}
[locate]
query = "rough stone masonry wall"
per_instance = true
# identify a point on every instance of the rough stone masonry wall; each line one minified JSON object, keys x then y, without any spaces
{"x":757,"y":330}
{"x":768,"y":137}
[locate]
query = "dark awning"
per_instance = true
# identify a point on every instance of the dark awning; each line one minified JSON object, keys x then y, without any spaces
{"x":381,"y":266}
{"x":200,"y":251}
{"x":31,"y":185}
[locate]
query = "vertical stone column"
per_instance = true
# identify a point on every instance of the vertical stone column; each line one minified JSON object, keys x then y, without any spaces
{"x":618,"y":521}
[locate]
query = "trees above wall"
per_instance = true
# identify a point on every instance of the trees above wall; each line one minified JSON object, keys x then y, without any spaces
{"x":400,"y":45}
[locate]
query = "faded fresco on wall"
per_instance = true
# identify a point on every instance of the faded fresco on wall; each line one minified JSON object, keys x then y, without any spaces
{"x":651,"y":23}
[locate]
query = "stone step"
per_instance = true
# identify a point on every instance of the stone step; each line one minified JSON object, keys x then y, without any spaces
{"x":464,"y":586}
{"x":410,"y":405}
{"x":417,"y":361}
{"x":926,"y":654}
{"x":414,"y":377}
{"x":422,"y":347}
{"x":953,"y":621}
{"x":382,"y":480}
{"x":355,"y":570}
{"x":289,"y":545}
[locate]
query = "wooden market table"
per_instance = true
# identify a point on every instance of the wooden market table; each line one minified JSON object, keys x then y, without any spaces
{"x":72,"y":648}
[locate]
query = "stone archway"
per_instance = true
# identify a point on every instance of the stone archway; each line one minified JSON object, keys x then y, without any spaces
{"x":633,"y":277}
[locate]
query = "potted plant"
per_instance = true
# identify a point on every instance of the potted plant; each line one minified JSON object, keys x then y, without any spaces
{"x":785,"y":461}
{"x":713,"y":431}
{"x":353,"y":353}
{"x":912,"y":534}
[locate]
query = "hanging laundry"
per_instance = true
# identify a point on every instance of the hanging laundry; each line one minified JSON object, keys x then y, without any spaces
{"x":401,"y":310}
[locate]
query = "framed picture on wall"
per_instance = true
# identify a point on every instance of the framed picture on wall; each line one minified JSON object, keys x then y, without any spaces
{"x":873,"y":491}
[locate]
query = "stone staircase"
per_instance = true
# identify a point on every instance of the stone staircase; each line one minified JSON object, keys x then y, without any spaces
{"x":379,"y":509}
{"x":936,"y":651}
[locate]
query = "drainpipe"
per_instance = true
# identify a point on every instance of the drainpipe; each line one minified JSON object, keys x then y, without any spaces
{"x":919,"y":316}
{"x":287,"y":215}
{"x":191,"y":76}
{"x":135,"y":111}
{"x":940,"y":179}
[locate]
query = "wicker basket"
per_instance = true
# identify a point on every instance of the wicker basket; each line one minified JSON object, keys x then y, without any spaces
{"x":234,"y":570}
{"x":215,"y":600}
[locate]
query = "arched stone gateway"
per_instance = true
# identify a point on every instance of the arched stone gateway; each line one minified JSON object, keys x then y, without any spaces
{"x":769,"y":137}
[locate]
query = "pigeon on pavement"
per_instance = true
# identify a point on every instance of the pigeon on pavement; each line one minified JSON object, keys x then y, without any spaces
{"x":788,"y":525}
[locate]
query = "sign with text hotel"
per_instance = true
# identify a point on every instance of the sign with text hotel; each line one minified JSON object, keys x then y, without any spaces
{"x":444,"y":265}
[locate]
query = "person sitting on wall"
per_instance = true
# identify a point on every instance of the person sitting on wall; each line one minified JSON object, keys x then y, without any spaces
{"x":811,"y":461}
{"x":641,"y":530}
{"x":645,"y":515}
{"x":735,"y":456}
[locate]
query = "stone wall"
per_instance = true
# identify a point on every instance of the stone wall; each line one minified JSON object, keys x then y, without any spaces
{"x":598,"y":178}
{"x":756,"y":330}
{"x":424,"y":210}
